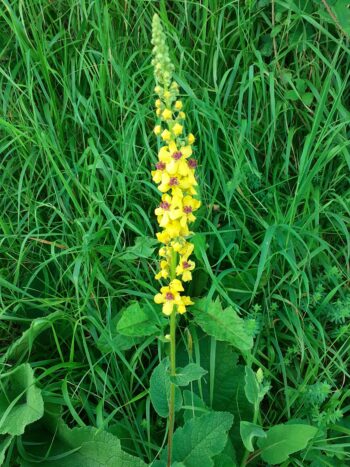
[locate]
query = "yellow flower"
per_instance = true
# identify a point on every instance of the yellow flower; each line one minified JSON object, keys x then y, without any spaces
{"x":163,"y":237}
{"x":157,"y":174}
{"x":184,"y":268}
{"x":167,"y":95}
{"x":191,"y":139}
{"x":177,"y":184}
{"x":169,"y":296}
{"x":166,"y":135}
{"x":183,"y":247}
{"x":189,"y":206}
{"x":185,"y":301}
{"x":164,"y":270}
{"x":167,"y":114}
{"x":177,"y":129}
{"x":182,"y":115}
{"x":157,"y":130}
{"x":158,"y":103}
{"x":169,"y":209}
{"x":178,"y":105}
{"x":158,"y":112}
{"x":178,"y":165}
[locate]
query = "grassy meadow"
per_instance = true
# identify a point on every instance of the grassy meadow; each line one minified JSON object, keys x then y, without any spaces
{"x":265,"y":86}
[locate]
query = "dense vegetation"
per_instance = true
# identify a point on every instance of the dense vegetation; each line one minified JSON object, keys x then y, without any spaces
{"x":266,"y":93}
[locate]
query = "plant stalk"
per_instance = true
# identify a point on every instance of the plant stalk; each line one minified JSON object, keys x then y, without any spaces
{"x":172,"y":365}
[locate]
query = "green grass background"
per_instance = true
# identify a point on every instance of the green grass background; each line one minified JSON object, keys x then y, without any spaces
{"x":266,"y":92}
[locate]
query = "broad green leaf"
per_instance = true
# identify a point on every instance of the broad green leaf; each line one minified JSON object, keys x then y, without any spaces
{"x":193,"y":405}
{"x":137,"y":321}
{"x":226,"y":458}
{"x":83,"y":446}
{"x":249,"y":431}
{"x":191,"y":372}
{"x":283,"y":440}
{"x":224,"y":325}
{"x":160,"y":390}
{"x":5,"y":442}
{"x":200,"y":439}
{"x":111,"y":340}
{"x":24,"y":344}
{"x":144,"y":248}
{"x":21,"y":402}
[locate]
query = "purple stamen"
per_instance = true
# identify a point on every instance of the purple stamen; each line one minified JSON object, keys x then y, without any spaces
{"x":185,"y":264}
{"x":160,"y":165}
{"x":169,"y":296}
{"x":164,"y":205}
{"x":173,"y":181}
{"x":192,"y":163}
{"x":177,"y":155}
{"x":187,"y":209}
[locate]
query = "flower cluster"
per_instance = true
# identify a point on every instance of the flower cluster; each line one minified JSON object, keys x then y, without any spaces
{"x":175,"y":176}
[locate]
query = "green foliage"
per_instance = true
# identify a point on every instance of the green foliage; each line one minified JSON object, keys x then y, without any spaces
{"x":268,"y":92}
{"x":137,"y":321}
{"x":253,"y":388}
{"x":160,"y":390}
{"x":79,"y":446}
{"x":191,"y":372}
{"x":224,"y":325}
{"x":200,"y":439}
{"x":283,"y":440}
{"x":249,"y":431}
{"x":21,"y":402}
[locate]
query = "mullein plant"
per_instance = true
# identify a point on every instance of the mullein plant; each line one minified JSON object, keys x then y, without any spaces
{"x":175,"y":176}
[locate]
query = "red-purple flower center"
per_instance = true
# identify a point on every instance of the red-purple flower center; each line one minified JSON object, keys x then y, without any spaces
{"x":169,"y":296}
{"x":187,"y":209}
{"x":177,"y":155}
{"x":164,"y":205}
{"x":185,"y":264}
{"x":173,"y":181}
{"x":192,"y":163}
{"x":160,"y":165}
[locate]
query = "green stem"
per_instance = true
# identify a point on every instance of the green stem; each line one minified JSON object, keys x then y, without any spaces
{"x":172,"y":365}
{"x":246,"y":452}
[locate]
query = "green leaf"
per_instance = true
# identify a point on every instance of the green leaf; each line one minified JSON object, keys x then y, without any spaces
{"x":144,"y":248}
{"x":5,"y":442}
{"x":251,"y":387}
{"x":200,"y":439}
{"x":83,"y":446}
{"x":160,"y":390}
{"x":307,"y":98}
{"x":21,"y":402}
{"x":24,"y":344}
{"x":283,"y":440}
{"x":248,"y":432}
{"x":138,"y":322}
{"x":224,"y":325}
{"x":342,"y":11}
{"x":191,"y":372}
{"x":193,"y":405}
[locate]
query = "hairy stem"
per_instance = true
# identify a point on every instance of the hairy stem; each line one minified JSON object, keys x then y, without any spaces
{"x":172,"y":364}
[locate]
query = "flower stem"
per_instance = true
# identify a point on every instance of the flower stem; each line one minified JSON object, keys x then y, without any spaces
{"x":172,"y":364}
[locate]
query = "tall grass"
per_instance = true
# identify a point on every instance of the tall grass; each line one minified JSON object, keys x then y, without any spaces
{"x":268,"y":98}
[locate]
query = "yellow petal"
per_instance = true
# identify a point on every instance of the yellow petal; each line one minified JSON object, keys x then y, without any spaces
{"x":168,"y":307}
{"x":159,"y":298}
